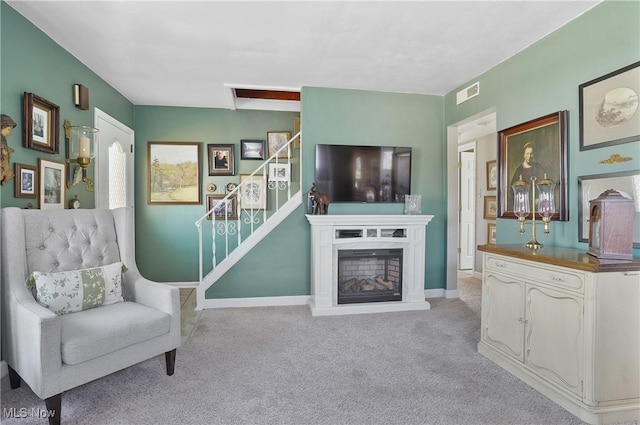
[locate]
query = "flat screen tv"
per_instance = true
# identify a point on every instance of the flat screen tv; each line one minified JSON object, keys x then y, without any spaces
{"x":348,"y":173}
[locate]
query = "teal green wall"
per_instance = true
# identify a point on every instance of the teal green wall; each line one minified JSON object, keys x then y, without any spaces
{"x":544,"y":79}
{"x":374,"y":118}
{"x":31,"y":62}
{"x":167,"y":242}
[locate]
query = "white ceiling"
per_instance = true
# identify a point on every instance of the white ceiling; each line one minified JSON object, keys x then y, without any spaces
{"x":188,"y":53}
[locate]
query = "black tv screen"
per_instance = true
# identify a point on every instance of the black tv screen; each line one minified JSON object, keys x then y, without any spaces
{"x":348,"y":173}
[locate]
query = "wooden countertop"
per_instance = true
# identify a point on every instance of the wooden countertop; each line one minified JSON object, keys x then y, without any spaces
{"x":564,"y":257}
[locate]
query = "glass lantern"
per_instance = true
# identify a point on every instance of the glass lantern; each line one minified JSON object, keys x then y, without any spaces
{"x":546,"y":204}
{"x":521,"y":201}
{"x":82,"y":145}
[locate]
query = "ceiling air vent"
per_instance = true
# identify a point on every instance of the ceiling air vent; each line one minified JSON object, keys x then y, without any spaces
{"x":472,"y":91}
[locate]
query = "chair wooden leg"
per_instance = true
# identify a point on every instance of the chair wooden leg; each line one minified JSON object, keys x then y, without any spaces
{"x":54,"y":406}
{"x":14,"y":378}
{"x":170,"y":357}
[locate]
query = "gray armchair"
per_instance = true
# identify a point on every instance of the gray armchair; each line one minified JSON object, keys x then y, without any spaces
{"x":53,"y":353}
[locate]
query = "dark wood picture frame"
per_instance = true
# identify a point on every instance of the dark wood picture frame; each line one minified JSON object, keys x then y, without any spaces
{"x":25,"y":181}
{"x":546,"y":138}
{"x":218,"y":213}
{"x":591,"y":186}
{"x":609,"y":108}
{"x":491,"y":233}
{"x":41,"y":129}
{"x":252,"y":150}
{"x":173,"y":176}
{"x":223,"y":165}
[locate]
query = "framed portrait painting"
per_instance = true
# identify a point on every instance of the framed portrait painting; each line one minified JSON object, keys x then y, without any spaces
{"x":174,"y":173}
{"x":223,"y":209}
{"x":221,"y":160}
{"x":592,"y":186}
{"x":252,"y":149}
{"x":25,"y":181}
{"x":51,"y":186}
{"x":276,"y":142}
{"x":41,"y":123}
{"x":610,"y":108}
{"x":531,"y":151}
{"x":253,"y":192}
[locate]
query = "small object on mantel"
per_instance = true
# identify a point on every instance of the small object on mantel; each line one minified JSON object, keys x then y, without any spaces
{"x":611,"y":225}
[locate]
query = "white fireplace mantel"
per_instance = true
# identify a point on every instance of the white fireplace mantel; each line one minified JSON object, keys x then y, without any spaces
{"x":331,"y":233}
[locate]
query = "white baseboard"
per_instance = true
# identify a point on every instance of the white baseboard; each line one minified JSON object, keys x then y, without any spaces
{"x":296,"y":300}
{"x":256,"y":301}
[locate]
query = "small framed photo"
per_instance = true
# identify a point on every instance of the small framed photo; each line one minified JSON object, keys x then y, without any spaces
{"x":609,"y":108}
{"x":41,"y":123}
{"x":223,"y":209}
{"x":26,"y":181}
{"x":52,"y":187}
{"x":296,"y":130}
{"x":174,"y":173}
{"x":253,"y":192}
{"x":252,"y":149}
{"x":221,"y":160}
{"x":491,"y":233}
{"x":279,"y":172}
{"x":492,"y":175}
{"x":490,"y":207}
{"x":277,"y":143}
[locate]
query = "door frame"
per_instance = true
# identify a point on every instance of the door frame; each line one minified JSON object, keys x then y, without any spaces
{"x":97,"y":117}
{"x":462,"y":131}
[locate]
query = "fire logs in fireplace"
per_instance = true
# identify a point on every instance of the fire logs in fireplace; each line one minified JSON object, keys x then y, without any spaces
{"x":369,"y":275}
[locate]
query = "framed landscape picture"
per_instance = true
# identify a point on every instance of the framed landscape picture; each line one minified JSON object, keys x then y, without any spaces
{"x":252,"y":149}
{"x":610,"y":108}
{"x":173,"y":176}
{"x":534,"y":149}
{"x":51,"y":187}
{"x":490,"y":207}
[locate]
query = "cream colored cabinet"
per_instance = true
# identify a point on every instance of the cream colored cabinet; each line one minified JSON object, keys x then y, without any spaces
{"x":572,"y":334}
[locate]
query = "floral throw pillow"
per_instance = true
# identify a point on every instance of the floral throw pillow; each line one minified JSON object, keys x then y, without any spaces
{"x":77,"y":290}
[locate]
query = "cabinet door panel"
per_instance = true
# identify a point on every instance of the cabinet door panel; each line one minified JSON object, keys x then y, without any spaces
{"x":503,"y":311}
{"x":554,"y":336}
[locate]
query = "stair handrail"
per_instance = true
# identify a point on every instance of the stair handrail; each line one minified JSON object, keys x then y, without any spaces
{"x":236,"y":191}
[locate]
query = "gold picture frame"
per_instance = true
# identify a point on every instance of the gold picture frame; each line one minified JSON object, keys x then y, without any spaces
{"x":173,"y":173}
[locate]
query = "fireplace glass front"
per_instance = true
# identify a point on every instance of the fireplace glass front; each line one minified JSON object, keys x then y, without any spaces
{"x":369,"y":275}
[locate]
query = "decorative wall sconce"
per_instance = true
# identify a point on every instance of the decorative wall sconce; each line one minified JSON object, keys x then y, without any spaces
{"x":546,"y":205}
{"x":81,"y":150}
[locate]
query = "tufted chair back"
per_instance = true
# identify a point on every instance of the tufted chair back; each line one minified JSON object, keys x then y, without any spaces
{"x":57,"y":240}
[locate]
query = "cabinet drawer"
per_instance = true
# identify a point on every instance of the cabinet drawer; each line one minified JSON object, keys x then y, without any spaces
{"x":544,"y":273}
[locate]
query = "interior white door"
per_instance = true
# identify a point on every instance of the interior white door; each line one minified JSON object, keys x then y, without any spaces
{"x":114,"y":163}
{"x":467,"y":210}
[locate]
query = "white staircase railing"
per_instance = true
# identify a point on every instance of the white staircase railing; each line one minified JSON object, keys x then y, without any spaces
{"x":238,"y":217}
